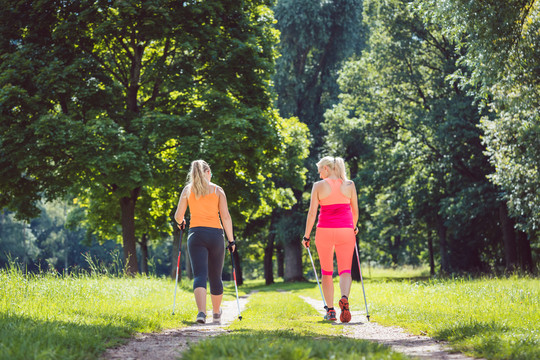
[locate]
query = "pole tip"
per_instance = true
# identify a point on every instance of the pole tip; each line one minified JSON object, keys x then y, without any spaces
{"x":367,"y":317}
{"x":240,"y":317}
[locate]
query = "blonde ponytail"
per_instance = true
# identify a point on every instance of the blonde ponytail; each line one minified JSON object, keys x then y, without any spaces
{"x":336,"y":164}
{"x":339,"y":168}
{"x":197,"y":182}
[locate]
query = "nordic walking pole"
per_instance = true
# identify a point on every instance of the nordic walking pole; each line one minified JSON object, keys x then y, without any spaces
{"x":316,"y":277}
{"x":361,"y":279}
{"x":229,"y":247}
{"x":177,"y":268}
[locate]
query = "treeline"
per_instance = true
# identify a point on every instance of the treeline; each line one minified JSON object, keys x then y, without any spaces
{"x":439,"y":121}
{"x":106,"y":103}
{"x":433,"y":105}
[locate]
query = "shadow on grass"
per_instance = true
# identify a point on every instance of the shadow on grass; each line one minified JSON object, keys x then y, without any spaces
{"x":28,"y":338}
{"x":492,"y":340}
{"x":476,"y":328}
{"x":282,"y":344}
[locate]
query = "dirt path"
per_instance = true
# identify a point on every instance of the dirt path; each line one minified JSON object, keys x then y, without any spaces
{"x":169,"y":344}
{"x":421,"y":347}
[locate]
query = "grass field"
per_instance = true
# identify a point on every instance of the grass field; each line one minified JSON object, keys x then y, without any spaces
{"x":494,"y":318}
{"x":279,"y":326}
{"x":76,"y":317}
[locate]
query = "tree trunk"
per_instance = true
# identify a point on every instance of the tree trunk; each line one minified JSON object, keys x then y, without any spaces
{"x":443,"y":246}
{"x":431,"y":254}
{"x":525,"y":252}
{"x":268,"y":260}
{"x":127,"y":205}
{"x":238,"y":268}
{"x":280,"y":255}
{"x":395,"y":248}
{"x":269,"y":252}
{"x":509,"y":238}
{"x":293,"y":261}
{"x":144,"y":254}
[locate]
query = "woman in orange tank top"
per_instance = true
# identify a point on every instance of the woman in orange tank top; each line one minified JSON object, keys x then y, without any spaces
{"x":336,"y":230}
{"x":206,"y":243}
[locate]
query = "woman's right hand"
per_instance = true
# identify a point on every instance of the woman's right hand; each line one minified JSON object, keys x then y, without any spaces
{"x":182,"y":225}
{"x":305,"y":242}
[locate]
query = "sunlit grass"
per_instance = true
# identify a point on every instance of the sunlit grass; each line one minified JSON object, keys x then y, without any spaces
{"x":49,"y":316}
{"x":77,"y":317}
{"x":494,"y":318}
{"x":405,"y":272}
{"x":282,"y":326}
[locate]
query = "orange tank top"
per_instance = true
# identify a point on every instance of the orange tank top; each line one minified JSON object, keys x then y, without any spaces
{"x":204,"y":210}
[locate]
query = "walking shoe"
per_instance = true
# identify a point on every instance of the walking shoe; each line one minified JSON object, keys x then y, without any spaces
{"x":330,"y":315}
{"x":217,"y":317}
{"x":201,"y":318}
{"x":345,"y":315}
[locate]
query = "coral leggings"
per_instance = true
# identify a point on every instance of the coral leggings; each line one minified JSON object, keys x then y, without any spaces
{"x":341,"y":240}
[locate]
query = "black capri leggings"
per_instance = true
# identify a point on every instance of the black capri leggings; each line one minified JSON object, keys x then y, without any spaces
{"x":206,"y":247}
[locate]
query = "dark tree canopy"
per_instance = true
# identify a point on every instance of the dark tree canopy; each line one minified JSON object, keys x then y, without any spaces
{"x":106,"y":99}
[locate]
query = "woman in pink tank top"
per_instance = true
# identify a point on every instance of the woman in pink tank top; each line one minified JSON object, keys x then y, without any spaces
{"x":336,"y":230}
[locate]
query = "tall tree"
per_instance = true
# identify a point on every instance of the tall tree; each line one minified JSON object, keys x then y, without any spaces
{"x":422,"y":168}
{"x":105,"y":99}
{"x":316,"y":38}
{"x":500,"y":45}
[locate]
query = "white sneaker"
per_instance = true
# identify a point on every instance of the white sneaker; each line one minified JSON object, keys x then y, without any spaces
{"x":217,"y":317}
{"x":201,"y":318}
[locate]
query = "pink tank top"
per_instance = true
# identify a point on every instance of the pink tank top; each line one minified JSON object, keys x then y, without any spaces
{"x":336,"y":208}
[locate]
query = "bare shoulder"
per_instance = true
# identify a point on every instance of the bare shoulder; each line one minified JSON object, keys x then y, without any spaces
{"x":219,"y":189}
{"x":318,"y":184}
{"x":186,"y":191}
{"x":349,"y":183}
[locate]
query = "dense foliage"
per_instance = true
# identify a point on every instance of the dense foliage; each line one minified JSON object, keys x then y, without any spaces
{"x":433,"y":105}
{"x":110,"y":101}
{"x":412,"y":129}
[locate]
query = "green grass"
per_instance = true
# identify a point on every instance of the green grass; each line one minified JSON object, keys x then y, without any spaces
{"x":488,"y":317}
{"x":55,"y":317}
{"x":282,"y":326}
{"x":76,"y":317}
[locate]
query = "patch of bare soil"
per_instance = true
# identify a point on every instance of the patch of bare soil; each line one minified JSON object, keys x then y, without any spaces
{"x":420,"y":347}
{"x":169,"y":344}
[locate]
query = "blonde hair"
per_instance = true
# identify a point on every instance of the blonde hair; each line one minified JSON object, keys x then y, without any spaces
{"x":196,"y":180}
{"x":336,"y":164}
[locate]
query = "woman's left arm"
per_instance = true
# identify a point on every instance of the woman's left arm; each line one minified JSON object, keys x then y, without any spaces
{"x":354,"y":204}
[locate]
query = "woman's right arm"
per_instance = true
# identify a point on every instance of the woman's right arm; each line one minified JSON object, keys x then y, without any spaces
{"x":182,"y":207}
{"x":312,"y":213}
{"x":225,"y":216}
